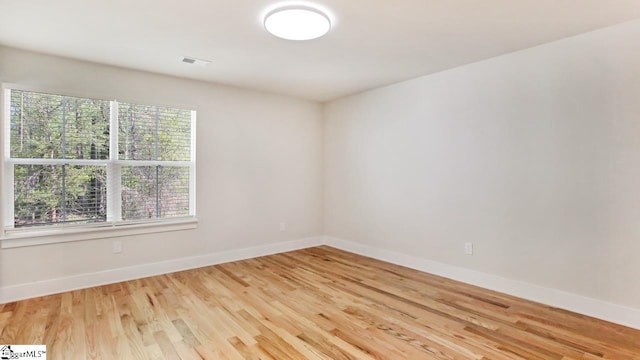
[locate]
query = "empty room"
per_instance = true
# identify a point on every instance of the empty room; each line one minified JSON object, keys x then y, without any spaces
{"x":330,"y":179}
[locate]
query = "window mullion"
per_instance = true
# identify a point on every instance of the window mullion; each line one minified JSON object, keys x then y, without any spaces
{"x":114,"y":170}
{"x":64,"y":156}
{"x":64,"y":194}
{"x":157,"y":166}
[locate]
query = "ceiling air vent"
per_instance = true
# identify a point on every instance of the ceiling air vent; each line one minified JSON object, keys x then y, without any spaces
{"x":194,"y":61}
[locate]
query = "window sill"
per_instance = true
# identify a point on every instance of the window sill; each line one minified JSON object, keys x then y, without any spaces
{"x":32,"y":238}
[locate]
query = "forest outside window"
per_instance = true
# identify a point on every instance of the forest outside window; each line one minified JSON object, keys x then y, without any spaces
{"x":74,"y":162}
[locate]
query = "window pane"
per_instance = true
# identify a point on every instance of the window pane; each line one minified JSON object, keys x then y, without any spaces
{"x":138,"y":192}
{"x":49,"y":126}
{"x":86,"y":128}
{"x":154,"y":192}
{"x":154,"y":133}
{"x":137,"y":132}
{"x":59,"y":194}
{"x":174,"y":191}
{"x":36,"y":125}
{"x":174,"y":135}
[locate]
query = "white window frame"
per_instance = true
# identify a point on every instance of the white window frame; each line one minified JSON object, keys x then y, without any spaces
{"x":11,"y":237}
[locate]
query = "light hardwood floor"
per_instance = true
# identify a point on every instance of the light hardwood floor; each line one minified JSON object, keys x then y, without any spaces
{"x":318,"y":303}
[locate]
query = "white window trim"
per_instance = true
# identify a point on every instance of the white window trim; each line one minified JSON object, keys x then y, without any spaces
{"x":14,"y":238}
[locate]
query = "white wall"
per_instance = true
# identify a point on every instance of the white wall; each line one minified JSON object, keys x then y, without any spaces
{"x":532,"y":156}
{"x":259,"y":162}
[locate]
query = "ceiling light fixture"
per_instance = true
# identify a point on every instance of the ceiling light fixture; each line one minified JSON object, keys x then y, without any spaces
{"x":297,"y":23}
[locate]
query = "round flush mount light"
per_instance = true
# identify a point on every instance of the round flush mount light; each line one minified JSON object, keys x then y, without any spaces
{"x":297,"y":23}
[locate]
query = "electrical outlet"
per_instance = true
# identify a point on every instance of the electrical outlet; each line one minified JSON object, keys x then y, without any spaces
{"x":117,"y":247}
{"x":468,"y":248}
{"x":283,"y":226}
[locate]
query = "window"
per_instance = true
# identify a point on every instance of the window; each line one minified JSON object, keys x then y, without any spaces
{"x":72,"y":161}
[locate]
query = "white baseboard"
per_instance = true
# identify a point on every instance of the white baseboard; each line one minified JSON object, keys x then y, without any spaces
{"x":615,"y":313}
{"x":53,"y":286}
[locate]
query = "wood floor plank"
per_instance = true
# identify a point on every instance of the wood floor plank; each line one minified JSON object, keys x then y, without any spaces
{"x":317,"y":303}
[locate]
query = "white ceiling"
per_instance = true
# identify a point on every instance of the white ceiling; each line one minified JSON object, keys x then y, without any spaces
{"x":372,"y":43}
